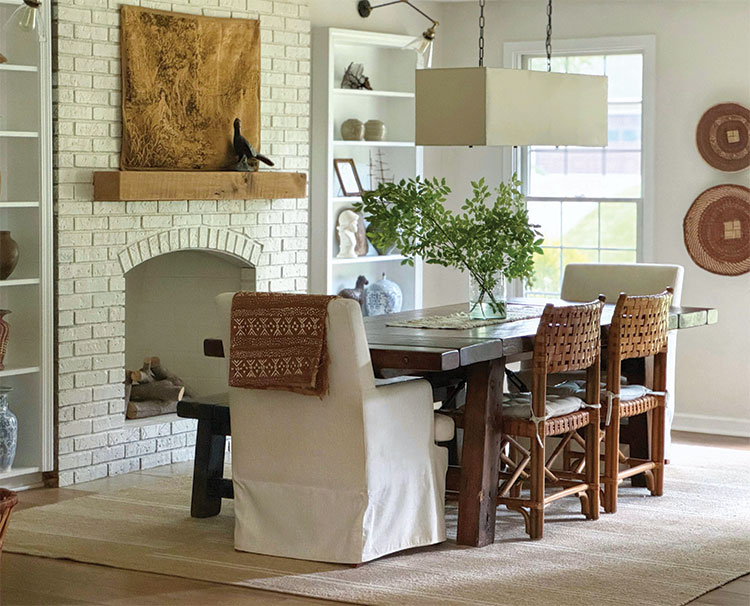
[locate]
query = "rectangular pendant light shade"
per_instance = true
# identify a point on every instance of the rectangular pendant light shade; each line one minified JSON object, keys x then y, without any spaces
{"x":493,"y":106}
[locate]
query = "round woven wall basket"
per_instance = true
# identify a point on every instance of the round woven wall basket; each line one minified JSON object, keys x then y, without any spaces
{"x":717,"y":230}
{"x":723,"y":137}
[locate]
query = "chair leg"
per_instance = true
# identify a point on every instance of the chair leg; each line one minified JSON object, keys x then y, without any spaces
{"x":592,"y":466}
{"x":611,"y":465}
{"x":536,"y":526}
{"x":658,"y":421}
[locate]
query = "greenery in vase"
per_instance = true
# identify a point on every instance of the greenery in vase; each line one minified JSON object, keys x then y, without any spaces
{"x":486,"y":239}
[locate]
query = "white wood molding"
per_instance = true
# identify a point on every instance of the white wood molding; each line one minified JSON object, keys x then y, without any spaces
{"x":28,"y":203}
{"x":365,"y":38}
{"x":47,"y":254}
{"x":712,"y":424}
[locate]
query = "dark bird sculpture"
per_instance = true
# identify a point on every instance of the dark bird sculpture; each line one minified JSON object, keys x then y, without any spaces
{"x":243,"y":149}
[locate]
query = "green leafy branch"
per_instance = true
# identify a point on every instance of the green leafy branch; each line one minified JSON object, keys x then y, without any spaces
{"x":486,"y":239}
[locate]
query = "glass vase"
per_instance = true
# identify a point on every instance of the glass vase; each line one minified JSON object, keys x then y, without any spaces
{"x":8,"y":432}
{"x":488,"y":303}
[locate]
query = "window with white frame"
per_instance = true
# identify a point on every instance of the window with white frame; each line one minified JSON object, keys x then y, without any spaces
{"x":589,"y":200}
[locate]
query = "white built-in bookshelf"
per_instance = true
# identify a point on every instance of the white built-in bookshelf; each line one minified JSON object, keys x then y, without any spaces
{"x":26,"y":211}
{"x":391,"y":70}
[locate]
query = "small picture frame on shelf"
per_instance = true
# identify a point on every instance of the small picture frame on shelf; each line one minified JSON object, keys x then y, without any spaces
{"x":346,"y":171}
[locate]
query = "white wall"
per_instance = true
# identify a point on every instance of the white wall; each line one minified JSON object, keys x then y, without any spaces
{"x":702,"y":58}
{"x":390,"y":19}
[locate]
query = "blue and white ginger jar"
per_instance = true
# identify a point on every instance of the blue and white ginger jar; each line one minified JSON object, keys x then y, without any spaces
{"x":8,"y":432}
{"x":383,"y":297}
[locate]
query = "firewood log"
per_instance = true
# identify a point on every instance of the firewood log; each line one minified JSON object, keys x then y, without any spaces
{"x":160,"y":373}
{"x":149,"y":408}
{"x":157,"y":390}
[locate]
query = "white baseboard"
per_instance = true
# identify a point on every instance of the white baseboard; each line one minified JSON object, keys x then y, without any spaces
{"x":720,"y":426}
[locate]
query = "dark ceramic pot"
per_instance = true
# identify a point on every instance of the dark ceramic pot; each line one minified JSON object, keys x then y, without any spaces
{"x":8,"y":255}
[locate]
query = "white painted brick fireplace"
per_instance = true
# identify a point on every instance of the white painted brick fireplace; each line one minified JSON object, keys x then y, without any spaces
{"x":98,"y":242}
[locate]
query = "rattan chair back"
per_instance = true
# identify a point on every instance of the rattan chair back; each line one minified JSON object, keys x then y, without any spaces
{"x":640,"y":325}
{"x":568,"y":337}
{"x":8,"y":501}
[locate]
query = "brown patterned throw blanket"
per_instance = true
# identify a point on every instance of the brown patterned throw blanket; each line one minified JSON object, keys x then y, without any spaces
{"x":279,"y":342}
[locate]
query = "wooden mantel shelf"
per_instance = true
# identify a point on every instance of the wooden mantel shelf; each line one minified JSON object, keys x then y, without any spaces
{"x":125,"y":185}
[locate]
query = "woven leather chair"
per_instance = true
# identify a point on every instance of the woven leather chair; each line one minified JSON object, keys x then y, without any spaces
{"x":568,"y":338}
{"x":8,"y":501}
{"x":583,"y":281}
{"x":638,"y":330}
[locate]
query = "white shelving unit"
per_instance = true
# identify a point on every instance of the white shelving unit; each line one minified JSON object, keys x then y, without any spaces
{"x":390,"y":69}
{"x":26,"y":211}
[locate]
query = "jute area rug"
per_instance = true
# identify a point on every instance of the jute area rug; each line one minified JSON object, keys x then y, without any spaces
{"x":664,"y":551}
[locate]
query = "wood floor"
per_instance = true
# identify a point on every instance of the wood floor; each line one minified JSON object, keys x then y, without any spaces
{"x":26,"y":580}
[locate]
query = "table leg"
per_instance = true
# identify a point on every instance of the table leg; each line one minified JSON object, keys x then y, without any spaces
{"x":480,"y":454}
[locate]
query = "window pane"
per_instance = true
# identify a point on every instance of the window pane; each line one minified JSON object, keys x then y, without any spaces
{"x":538,"y":64}
{"x":559,"y":64}
{"x":622,"y":175}
{"x":578,"y":255}
{"x":624,"y":126}
{"x":547,"y":216}
{"x":586,"y":64}
{"x":591,"y":173}
{"x":547,"y":271}
{"x":547,"y":173}
{"x":585,"y":161}
{"x":580,"y":181}
{"x":546,"y":162}
{"x":580,"y":224}
{"x":625,"y":77}
{"x":563,"y":173}
{"x":618,"y":256}
{"x":619,"y":221}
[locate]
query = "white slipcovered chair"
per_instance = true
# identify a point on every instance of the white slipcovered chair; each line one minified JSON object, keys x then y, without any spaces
{"x":347,"y":478}
{"x":583,"y":281}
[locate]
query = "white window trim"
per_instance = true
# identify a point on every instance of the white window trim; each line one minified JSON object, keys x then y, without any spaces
{"x":513,"y":56}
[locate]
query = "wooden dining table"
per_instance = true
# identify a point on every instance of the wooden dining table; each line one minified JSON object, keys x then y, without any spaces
{"x":478,"y":356}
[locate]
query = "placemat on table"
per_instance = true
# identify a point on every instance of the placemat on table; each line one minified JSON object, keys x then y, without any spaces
{"x":462,"y":321}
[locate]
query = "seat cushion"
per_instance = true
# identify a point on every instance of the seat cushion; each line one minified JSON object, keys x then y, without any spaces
{"x":527,"y":376}
{"x":445,"y":428}
{"x":578,"y":388}
{"x":392,"y":380}
{"x":518,"y":405}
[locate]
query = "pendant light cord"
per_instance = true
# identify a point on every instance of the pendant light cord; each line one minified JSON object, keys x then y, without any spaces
{"x":481,"y":33}
{"x":548,"y":43}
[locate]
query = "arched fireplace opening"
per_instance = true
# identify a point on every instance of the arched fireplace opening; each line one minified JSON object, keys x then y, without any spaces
{"x":169,"y":311}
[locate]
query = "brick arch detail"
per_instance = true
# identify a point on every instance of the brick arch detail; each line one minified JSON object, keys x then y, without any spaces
{"x":225,"y":241}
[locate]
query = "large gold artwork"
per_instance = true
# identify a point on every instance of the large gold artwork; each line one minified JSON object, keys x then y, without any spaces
{"x":184,"y":80}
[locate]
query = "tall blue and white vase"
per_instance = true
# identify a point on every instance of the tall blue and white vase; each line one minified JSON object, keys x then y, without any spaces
{"x":383,"y":297}
{"x":8,"y":432}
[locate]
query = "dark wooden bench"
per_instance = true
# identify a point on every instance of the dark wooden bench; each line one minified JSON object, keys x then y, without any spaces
{"x":209,"y":484}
